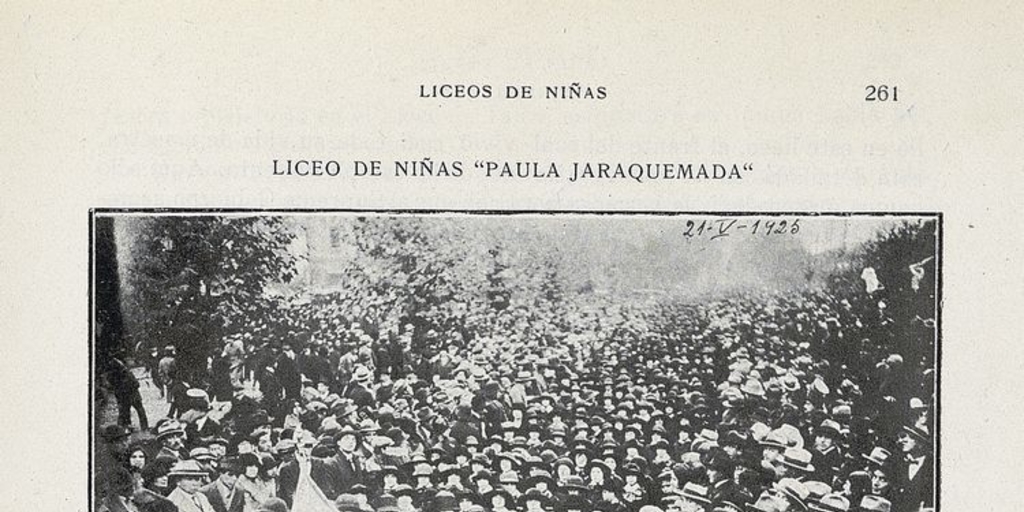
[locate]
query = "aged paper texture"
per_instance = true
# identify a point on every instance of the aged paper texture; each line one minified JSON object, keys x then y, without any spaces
{"x":618,"y":136}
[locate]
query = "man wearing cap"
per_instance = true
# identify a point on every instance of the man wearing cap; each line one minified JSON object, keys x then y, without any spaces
{"x":187,"y":479}
{"x":221,"y":493}
{"x":171,"y":436}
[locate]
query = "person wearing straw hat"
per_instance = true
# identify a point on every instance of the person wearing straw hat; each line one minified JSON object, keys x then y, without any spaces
{"x":187,"y":479}
{"x":796,"y":463}
{"x":872,"y":503}
{"x":832,"y":502}
{"x":171,"y":435}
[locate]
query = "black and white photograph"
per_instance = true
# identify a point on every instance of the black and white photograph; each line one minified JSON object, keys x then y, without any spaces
{"x":514,"y":361}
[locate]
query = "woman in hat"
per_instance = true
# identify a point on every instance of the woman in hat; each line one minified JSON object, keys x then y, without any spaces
{"x":251,"y":483}
{"x":536,"y":501}
{"x":405,"y":497}
{"x":499,"y":500}
{"x":597,"y":474}
{"x":154,"y":476}
{"x":634,"y":493}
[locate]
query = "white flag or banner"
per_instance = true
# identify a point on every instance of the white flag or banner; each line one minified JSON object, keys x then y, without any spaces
{"x":871,"y":283}
{"x":308,"y":496}
{"x":917,"y":273}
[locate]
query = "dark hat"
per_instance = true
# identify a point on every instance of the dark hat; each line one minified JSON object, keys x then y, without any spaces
{"x":483,"y":474}
{"x":535,"y":495}
{"x":248,"y":459}
{"x":445,"y":501}
{"x":403,"y":490}
{"x":386,"y":503}
{"x":632,"y":469}
{"x":599,"y":464}
{"x":487,"y":498}
{"x":112,"y":433}
{"x":916,"y":432}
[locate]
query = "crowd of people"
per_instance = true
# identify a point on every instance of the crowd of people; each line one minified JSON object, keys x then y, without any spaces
{"x":768,"y":402}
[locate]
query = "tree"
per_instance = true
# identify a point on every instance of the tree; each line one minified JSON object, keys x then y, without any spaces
{"x":198,"y":278}
{"x":110,"y":340}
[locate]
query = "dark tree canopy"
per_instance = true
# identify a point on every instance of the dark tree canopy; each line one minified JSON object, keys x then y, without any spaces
{"x":199,"y":278}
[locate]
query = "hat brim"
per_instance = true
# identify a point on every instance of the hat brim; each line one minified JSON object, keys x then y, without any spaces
{"x":809,"y":468}
{"x":177,"y":431}
{"x":196,"y":474}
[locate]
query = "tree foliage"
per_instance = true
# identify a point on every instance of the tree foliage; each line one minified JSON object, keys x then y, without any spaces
{"x":200,"y":278}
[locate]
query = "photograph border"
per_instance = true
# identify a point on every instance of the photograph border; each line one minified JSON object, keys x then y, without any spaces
{"x":94,"y":212}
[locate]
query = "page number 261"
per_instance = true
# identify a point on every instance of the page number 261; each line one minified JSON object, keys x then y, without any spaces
{"x":881,"y":93}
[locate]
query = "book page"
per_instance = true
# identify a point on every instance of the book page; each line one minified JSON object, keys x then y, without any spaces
{"x":730,"y":255}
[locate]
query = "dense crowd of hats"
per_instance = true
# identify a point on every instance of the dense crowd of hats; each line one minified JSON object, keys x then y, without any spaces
{"x":767,"y":402}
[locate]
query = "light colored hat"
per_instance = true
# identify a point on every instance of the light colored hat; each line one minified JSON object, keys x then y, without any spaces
{"x":831,"y":503}
{"x":872,"y":503}
{"x":759,"y":431}
{"x":879,"y":456}
{"x":798,"y":458}
{"x":201,"y":454}
{"x":794,"y":439}
{"x":696,"y":493}
{"x":769,"y":503}
{"x":186,"y":468}
{"x":169,"y":428}
{"x":361,"y":374}
{"x":817,"y":489}
{"x":794,"y":490}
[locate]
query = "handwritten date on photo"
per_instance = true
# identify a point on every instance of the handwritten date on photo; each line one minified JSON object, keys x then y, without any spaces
{"x":714,"y":229}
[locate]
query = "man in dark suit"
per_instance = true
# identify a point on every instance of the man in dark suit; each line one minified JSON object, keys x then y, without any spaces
{"x":917,"y":472}
{"x":126,"y":391}
{"x":221,"y":492}
{"x":288,"y":372}
{"x":827,"y":458}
